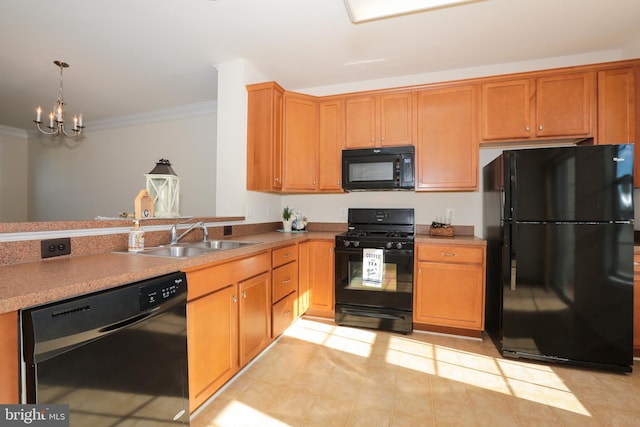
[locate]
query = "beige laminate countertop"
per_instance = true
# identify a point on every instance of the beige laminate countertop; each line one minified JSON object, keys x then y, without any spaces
{"x":30,"y":284}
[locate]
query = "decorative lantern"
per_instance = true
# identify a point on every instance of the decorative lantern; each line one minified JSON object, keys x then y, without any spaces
{"x":163,"y":186}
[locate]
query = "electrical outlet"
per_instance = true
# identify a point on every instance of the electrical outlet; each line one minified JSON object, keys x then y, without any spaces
{"x":227,"y":230}
{"x":343,"y":213}
{"x":55,"y":247}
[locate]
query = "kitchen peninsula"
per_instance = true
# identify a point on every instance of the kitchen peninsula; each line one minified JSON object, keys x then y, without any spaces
{"x":34,"y":283}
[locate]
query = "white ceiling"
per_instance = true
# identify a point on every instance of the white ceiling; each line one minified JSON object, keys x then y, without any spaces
{"x":134,"y":56}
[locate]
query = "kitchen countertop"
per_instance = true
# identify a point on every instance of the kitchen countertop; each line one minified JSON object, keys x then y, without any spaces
{"x":30,"y":284}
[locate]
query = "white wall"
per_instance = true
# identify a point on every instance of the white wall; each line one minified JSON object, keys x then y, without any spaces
{"x":330,"y":208}
{"x":13,"y":174}
{"x":103,"y":173}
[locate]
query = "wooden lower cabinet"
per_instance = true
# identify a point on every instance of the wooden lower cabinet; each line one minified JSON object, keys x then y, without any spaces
{"x":228,"y":321}
{"x":317,"y":277}
{"x":450,"y":287}
{"x":212,"y":331}
{"x":9,"y":365}
{"x":255,"y":316}
{"x":636,"y":302}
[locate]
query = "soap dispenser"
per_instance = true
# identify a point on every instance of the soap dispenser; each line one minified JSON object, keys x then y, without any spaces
{"x":136,"y":238}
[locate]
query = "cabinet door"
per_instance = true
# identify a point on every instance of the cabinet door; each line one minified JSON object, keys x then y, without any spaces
{"x":506,"y":110}
{"x":264,"y":137}
{"x":447,"y":147}
{"x":449,"y":295}
{"x":212,"y":328}
{"x":255,"y":312}
{"x":303,"y":279}
{"x":564,"y":104}
{"x":360,"y":122}
{"x":330,"y":141}
{"x":396,"y":119}
{"x":300,"y":143}
{"x":9,"y":365}
{"x":636,"y":302}
{"x":321,"y":278}
{"x":616,"y":106}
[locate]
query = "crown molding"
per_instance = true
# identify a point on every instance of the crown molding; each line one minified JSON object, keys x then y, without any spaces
{"x":16,"y":132}
{"x":183,"y":111}
{"x":191,"y":110}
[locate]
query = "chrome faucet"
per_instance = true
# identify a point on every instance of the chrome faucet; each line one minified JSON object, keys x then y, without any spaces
{"x":174,"y":231}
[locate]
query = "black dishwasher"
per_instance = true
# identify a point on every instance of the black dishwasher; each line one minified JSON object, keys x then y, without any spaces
{"x":116,"y":357}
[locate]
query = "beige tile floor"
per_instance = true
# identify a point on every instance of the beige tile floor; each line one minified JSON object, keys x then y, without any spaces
{"x":320,"y":374}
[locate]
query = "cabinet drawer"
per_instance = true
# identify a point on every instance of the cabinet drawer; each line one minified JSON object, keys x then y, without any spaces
{"x":285,"y":280}
{"x":451,"y":253}
{"x":284,"y":255}
{"x":282,"y":314}
{"x":210,"y":279}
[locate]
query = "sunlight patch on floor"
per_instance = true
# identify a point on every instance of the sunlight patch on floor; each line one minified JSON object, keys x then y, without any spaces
{"x":237,"y":413}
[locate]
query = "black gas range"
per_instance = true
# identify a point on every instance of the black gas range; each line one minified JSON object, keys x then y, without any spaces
{"x":379,"y":228}
{"x":374,"y":270}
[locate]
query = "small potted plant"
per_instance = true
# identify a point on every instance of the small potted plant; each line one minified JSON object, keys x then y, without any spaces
{"x":287,"y":218}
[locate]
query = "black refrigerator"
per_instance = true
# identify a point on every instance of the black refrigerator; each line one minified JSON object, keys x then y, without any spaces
{"x":559,"y":228}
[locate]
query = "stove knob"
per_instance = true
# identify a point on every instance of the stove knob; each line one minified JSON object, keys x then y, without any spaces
{"x":356,"y":243}
{"x":346,"y":243}
{"x":388,"y":245}
{"x":399,"y":245}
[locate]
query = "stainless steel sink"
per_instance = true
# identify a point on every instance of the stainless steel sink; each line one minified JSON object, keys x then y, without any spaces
{"x":174,"y":251}
{"x":192,"y":249}
{"x":221,"y":245}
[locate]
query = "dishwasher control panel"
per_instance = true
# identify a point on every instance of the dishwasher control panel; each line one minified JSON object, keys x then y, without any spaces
{"x":163,"y":289}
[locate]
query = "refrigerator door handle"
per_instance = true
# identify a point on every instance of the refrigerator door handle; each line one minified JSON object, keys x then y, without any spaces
{"x":513,"y":274}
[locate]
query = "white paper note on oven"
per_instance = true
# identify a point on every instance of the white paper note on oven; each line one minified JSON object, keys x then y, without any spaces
{"x":372,"y":267}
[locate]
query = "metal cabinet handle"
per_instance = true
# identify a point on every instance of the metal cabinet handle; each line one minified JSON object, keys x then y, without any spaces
{"x":244,"y":294}
{"x":372,"y":139}
{"x":382,"y":138}
{"x":277,"y":179}
{"x":287,"y":280}
{"x":540,"y":127}
{"x":235,"y":298}
{"x":448,"y":254}
{"x":287,"y":255}
{"x":286,"y":312}
{"x":527,"y":128}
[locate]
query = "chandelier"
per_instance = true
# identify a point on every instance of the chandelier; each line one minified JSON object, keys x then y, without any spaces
{"x":56,"y":117}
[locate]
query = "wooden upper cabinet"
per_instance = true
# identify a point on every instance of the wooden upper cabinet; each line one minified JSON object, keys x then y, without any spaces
{"x":379,"y":120}
{"x":554,"y":106}
{"x":616,"y":106}
{"x":506,"y":109}
{"x":618,"y":117}
{"x":447,"y":146}
{"x":300,"y":142}
{"x":564,"y":104}
{"x":264,"y":137}
{"x":330,"y":142}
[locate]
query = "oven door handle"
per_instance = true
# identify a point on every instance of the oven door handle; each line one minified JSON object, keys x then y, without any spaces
{"x":370,"y":314}
{"x":401,"y":252}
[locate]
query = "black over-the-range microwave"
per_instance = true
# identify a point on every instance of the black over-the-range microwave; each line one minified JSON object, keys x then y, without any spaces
{"x":386,"y":168}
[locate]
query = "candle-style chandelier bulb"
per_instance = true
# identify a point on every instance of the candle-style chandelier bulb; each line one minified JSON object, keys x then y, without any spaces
{"x":57,"y":115}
